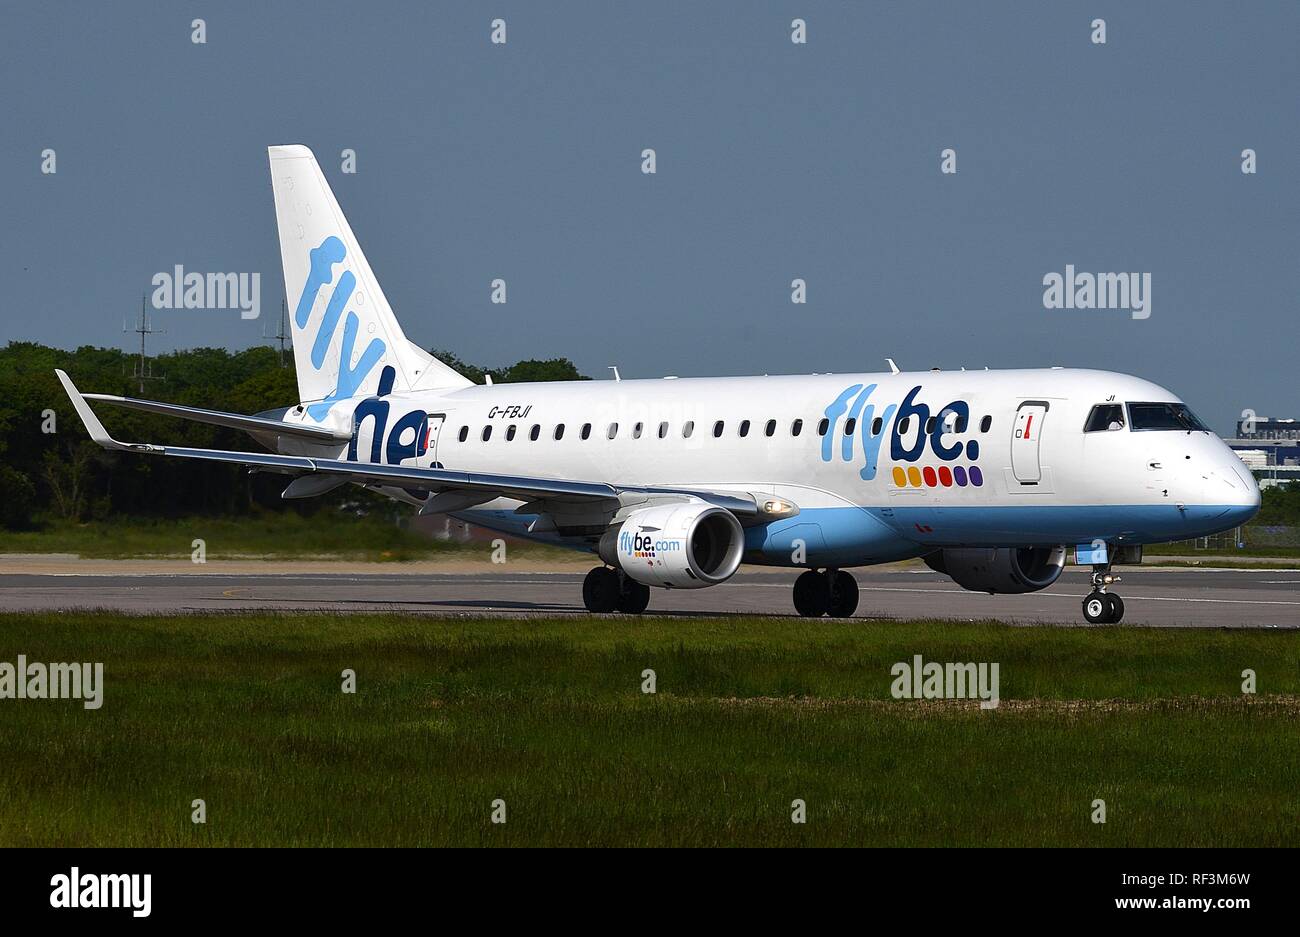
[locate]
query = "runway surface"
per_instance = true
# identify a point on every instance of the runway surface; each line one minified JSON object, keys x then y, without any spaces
{"x":1158,"y":597}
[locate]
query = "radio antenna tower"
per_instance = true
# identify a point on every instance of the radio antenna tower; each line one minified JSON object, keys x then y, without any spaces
{"x":281,"y":334}
{"x":144,"y":328}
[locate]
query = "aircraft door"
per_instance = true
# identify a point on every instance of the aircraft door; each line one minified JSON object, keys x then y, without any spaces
{"x":433,"y":428}
{"x":1027,"y":433}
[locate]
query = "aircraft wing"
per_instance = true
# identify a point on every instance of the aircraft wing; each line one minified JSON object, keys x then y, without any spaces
{"x":521,"y":487}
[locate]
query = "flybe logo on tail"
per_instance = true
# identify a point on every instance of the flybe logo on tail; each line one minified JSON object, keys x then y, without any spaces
{"x":350,"y":377}
{"x":913,"y":432}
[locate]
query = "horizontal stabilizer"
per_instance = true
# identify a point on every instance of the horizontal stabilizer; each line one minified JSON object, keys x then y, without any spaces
{"x":251,"y":424}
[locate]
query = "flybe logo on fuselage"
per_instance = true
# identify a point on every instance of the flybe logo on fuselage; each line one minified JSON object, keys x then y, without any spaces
{"x":914,"y":432}
{"x":350,"y":378}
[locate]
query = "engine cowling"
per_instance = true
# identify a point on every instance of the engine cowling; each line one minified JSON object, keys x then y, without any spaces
{"x":686,"y":545}
{"x":1000,"y":570}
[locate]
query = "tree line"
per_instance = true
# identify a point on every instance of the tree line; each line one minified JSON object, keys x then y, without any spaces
{"x":50,"y":470}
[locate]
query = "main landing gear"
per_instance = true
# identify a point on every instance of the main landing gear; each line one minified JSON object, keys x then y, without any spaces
{"x":830,"y":592}
{"x":1102,"y":607}
{"x":612,"y":590}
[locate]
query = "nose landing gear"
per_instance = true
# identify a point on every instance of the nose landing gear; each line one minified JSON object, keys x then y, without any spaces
{"x":830,"y":592}
{"x":1102,"y":607}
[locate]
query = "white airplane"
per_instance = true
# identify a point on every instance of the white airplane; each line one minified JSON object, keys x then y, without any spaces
{"x":991,"y":477}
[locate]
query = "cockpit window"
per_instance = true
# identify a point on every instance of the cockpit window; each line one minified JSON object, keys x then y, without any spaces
{"x":1167,"y":416}
{"x":1105,"y":416}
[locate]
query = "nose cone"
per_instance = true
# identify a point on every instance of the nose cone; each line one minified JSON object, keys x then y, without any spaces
{"x":1248,"y":506}
{"x":1234,"y":487}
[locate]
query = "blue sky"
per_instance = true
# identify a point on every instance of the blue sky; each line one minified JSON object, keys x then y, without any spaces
{"x":775,"y":161}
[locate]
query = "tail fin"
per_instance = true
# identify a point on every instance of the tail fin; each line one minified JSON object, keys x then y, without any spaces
{"x":346,"y":341}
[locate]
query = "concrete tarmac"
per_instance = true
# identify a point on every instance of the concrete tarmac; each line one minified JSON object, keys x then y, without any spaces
{"x":1163,"y":597}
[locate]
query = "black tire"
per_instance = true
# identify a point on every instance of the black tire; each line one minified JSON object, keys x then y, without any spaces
{"x":812,"y":594}
{"x":600,"y":592}
{"x":1116,"y":609}
{"x":634,"y":598}
{"x":844,"y":595}
{"x":1096,"y":608}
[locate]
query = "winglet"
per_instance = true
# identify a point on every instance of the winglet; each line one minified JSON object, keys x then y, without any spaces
{"x":893,"y":368}
{"x":93,"y":426}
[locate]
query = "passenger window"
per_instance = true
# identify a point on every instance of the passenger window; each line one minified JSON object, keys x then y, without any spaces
{"x":850,"y":425}
{"x":823,"y":426}
{"x":613,"y":431}
{"x":464,"y":433}
{"x":903,"y":424}
{"x":744,"y":427}
{"x":510,"y":432}
{"x":534,"y":432}
{"x":687,"y":428}
{"x":770,"y":429}
{"x":961,"y":423}
{"x":586,"y":431}
{"x":986,"y":424}
{"x":1104,"y":417}
{"x":559,"y":431}
{"x":487,"y":433}
{"x":663,"y":430}
{"x":796,"y":427}
{"x":929,"y":426}
{"x":717,"y":428}
{"x":876,"y":426}
{"x":636,"y":431}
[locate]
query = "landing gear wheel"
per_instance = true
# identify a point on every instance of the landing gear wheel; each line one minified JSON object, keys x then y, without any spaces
{"x":600,"y":590}
{"x":1116,"y":608}
{"x":844,"y":594}
{"x":634,"y":598}
{"x":812,"y":594}
{"x":1096,"y":608}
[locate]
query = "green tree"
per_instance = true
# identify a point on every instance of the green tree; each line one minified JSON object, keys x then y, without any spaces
{"x":17,"y":499}
{"x":530,"y":370}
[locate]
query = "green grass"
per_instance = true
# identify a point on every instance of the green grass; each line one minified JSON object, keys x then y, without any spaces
{"x":1184,"y":548}
{"x":246,"y":712}
{"x":1192,"y":563}
{"x":281,"y":535}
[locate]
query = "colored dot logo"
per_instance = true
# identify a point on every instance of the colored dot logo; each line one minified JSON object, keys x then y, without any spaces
{"x":943,"y":477}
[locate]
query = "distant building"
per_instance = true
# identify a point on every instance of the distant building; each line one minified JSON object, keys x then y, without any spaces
{"x":1255,"y":459}
{"x":1270,"y":448}
{"x":1267,"y":428}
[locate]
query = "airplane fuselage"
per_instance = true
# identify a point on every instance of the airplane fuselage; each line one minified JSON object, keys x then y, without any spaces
{"x":880,"y":466}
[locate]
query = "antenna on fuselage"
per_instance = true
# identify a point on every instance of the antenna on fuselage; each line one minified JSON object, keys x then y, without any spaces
{"x":893,"y":368}
{"x":614,"y":368}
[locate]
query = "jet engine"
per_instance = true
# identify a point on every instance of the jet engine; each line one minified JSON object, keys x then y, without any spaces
{"x":685,"y":545}
{"x":1000,"y":570}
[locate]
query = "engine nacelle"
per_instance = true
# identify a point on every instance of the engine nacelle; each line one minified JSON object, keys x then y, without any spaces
{"x":1000,"y":570}
{"x":688,"y":545}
